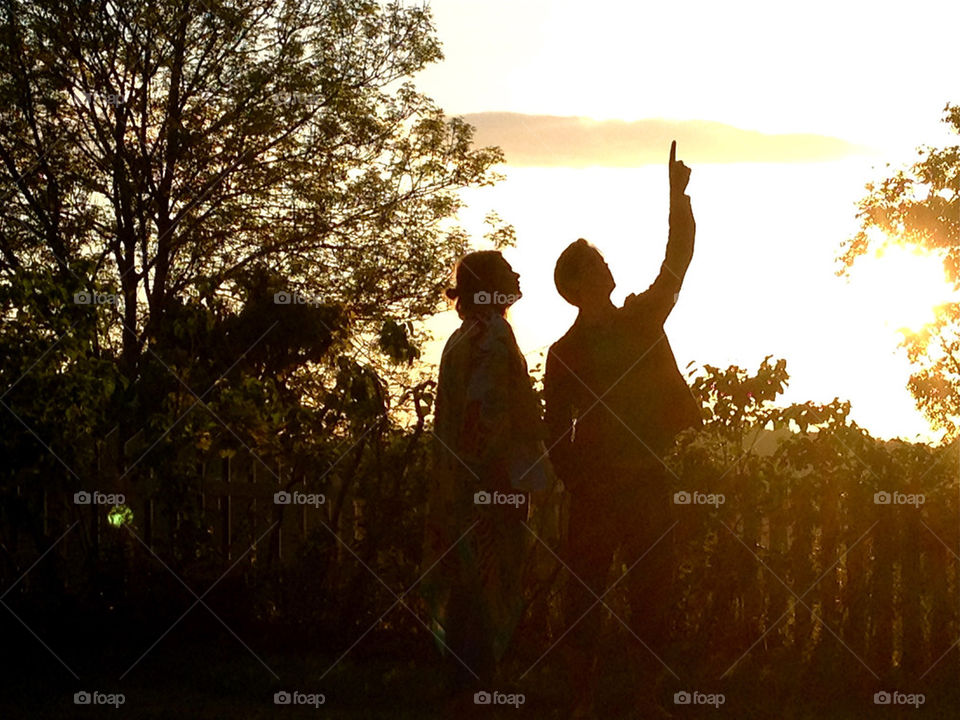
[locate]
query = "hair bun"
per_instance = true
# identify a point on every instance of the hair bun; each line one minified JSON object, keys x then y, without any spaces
{"x":452,"y":293}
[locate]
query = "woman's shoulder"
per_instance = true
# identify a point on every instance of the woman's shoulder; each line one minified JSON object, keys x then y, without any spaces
{"x":455,"y":337}
{"x":497,"y":327}
{"x":496,"y":335}
{"x":487,"y":336}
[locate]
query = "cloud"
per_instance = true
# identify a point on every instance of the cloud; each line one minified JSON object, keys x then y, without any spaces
{"x":551,"y":141}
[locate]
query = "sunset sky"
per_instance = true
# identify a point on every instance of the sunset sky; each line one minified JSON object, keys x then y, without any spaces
{"x":876,"y":73}
{"x":784,"y":113}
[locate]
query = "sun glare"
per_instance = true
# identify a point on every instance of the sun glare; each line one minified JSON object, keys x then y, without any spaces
{"x":901,"y":286}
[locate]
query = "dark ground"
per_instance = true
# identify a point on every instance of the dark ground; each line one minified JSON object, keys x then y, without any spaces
{"x":200,"y":670}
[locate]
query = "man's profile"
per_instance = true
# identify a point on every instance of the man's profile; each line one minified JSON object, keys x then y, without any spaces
{"x":615,"y":401}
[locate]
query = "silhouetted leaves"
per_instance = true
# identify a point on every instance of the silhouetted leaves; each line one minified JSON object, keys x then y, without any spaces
{"x":920,"y":205}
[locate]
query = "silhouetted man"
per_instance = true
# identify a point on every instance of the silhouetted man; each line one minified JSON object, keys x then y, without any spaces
{"x":615,"y":401}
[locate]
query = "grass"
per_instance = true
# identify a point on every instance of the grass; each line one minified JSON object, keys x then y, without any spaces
{"x":200,"y":670}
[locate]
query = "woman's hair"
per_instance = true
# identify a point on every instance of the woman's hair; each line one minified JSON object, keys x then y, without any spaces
{"x":483,"y":281}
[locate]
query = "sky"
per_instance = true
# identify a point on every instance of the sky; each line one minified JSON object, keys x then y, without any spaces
{"x":549,"y":140}
{"x":783,"y":112}
{"x":877,"y":73}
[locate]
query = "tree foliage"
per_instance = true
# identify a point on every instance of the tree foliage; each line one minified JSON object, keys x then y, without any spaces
{"x":920,"y":205}
{"x":220,"y":224}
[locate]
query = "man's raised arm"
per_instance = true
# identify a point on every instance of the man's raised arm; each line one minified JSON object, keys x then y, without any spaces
{"x":659,"y":298}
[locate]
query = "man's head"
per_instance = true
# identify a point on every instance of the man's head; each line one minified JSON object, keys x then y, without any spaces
{"x":582,"y":276}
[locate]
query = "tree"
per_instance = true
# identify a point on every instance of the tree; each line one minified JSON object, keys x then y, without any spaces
{"x":220,"y":222}
{"x":192,"y":162}
{"x":920,"y":205}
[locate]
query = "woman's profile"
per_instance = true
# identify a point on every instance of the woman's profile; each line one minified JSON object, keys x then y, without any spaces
{"x":488,"y":456}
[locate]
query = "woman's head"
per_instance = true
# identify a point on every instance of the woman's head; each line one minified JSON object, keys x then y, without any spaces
{"x":485,"y":281}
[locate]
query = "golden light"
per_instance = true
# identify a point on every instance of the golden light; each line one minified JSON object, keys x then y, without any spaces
{"x":900,"y":286}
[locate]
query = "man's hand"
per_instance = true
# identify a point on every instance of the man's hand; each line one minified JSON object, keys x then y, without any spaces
{"x":679,"y":173}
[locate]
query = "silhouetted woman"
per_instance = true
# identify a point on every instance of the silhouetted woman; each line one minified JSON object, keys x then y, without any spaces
{"x":488,"y":455}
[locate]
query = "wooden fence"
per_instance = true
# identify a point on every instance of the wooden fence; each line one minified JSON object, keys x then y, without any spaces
{"x":802,"y":568}
{"x":824,"y":572}
{"x":241,"y":506}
